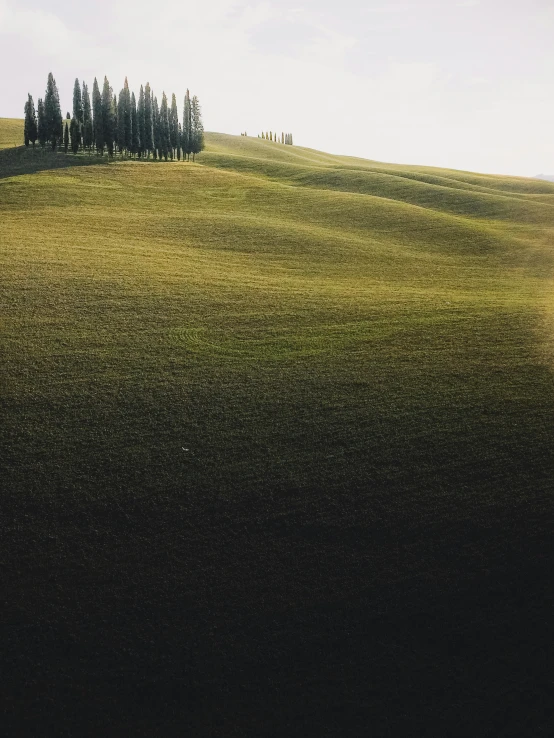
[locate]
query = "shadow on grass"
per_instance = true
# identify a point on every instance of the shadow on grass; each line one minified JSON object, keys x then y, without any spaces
{"x":22,"y":160}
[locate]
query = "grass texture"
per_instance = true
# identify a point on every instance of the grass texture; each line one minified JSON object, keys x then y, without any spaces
{"x":277,"y":445}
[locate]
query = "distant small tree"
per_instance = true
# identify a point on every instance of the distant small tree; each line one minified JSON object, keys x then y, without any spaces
{"x":30,"y":129}
{"x":66,"y":138}
{"x":68,"y":115}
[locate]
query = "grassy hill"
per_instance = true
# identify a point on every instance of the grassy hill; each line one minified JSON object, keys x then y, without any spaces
{"x":11,"y":132}
{"x":276,"y":445}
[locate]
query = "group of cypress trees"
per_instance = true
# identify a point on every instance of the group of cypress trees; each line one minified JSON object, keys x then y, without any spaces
{"x":116,"y":124}
{"x":47,"y":126}
{"x":284,"y":138}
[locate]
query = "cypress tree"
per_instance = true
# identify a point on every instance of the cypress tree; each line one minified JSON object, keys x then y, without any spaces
{"x":156,"y":127}
{"x":121,"y":122}
{"x":66,"y":138}
{"x":135,"y":133}
{"x":41,"y":125}
{"x":148,"y":144}
{"x":107,"y":116}
{"x":53,"y":113}
{"x":141,"y":122}
{"x":174,"y":126}
{"x":98,"y":119}
{"x":30,"y":131}
{"x":165,"y":138}
{"x":197,"y":128}
{"x":78,"y":104}
{"x":75,"y":133}
{"x":179,"y":141}
{"x":187,"y":127}
{"x":88,"y":137}
{"x":127,"y":121}
{"x":113,"y":114}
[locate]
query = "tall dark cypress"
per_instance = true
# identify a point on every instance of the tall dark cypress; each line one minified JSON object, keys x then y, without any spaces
{"x":141,"y":122}
{"x":88,"y":138}
{"x":98,"y":118}
{"x":53,"y":113}
{"x":187,"y":126}
{"x":78,"y":104}
{"x":148,"y":144}
{"x":164,"y":127}
{"x":197,"y":131}
{"x":121,"y":122}
{"x":135,"y":131}
{"x":66,"y":138}
{"x":30,"y":130}
{"x":75,"y":134}
{"x":156,"y":126}
{"x":41,"y":124}
{"x":107,"y":116}
{"x":127,"y":122}
{"x":174,"y":126}
{"x":113,"y":113}
{"x":179,"y":141}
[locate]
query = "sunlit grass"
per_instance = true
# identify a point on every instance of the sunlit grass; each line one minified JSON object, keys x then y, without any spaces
{"x":277,"y":350}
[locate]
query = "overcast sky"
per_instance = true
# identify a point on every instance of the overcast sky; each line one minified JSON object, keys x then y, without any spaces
{"x":467,"y":84}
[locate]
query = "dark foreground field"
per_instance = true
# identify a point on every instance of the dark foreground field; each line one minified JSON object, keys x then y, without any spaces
{"x":277,"y":447}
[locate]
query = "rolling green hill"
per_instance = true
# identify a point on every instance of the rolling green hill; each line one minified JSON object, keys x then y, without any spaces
{"x":277,"y":445}
{"x":11,"y":132}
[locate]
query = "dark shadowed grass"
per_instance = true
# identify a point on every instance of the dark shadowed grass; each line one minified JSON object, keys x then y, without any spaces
{"x":276,"y":446}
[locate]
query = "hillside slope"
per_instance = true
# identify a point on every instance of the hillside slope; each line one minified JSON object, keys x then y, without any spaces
{"x":276,"y":445}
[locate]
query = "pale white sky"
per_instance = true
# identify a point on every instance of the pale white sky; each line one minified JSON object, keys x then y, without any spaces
{"x":467,"y":84}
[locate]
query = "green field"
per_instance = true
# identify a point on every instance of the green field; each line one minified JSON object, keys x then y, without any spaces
{"x":277,"y":444}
